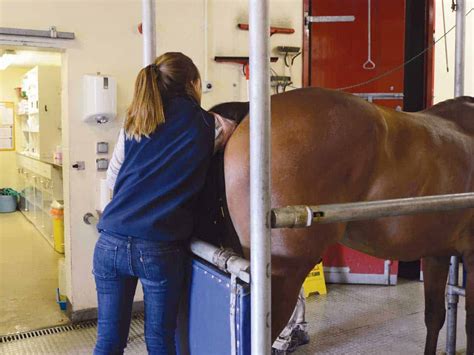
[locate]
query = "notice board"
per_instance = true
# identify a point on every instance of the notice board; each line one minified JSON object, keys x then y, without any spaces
{"x":7,"y":126}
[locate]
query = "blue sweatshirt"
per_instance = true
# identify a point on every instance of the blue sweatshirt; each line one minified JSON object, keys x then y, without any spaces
{"x":156,"y":187}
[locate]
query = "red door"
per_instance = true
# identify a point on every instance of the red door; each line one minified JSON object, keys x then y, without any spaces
{"x":348,"y":44}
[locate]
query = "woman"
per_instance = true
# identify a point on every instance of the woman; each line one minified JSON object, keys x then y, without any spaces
{"x":159,"y":166}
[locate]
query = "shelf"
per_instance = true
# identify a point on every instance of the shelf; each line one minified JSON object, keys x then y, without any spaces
{"x":238,"y":59}
{"x":49,"y":238}
{"x":43,"y":160}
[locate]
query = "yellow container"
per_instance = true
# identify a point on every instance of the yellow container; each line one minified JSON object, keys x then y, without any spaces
{"x":58,"y":229}
{"x":315,"y":282}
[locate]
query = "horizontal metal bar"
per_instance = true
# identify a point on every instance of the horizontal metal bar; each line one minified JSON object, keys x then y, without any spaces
{"x":232,"y":264}
{"x":51,"y":33}
{"x":329,"y":19}
{"x":381,"y":95}
{"x":304,"y":216}
{"x":457,"y":290}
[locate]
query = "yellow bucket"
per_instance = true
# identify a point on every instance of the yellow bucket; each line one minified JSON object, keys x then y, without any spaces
{"x":58,"y":229}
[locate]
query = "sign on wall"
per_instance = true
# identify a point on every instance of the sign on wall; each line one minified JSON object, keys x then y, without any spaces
{"x":7,"y":126}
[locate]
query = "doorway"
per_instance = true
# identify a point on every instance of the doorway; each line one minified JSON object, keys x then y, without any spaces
{"x":355,"y":46}
{"x":31,"y":238}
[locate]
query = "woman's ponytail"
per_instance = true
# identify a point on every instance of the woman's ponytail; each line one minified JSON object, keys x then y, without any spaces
{"x":146,"y":112}
{"x":172,"y":74}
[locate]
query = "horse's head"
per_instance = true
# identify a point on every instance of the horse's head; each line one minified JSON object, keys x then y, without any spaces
{"x":236,"y":111}
{"x":459,"y":110}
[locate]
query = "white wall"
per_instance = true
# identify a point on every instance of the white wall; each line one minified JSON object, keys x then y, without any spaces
{"x":10,"y":79}
{"x":107,"y":41}
{"x":444,"y":81}
{"x":180,"y":26}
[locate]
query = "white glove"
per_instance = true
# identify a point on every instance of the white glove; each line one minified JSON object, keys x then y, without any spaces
{"x":224,"y":129}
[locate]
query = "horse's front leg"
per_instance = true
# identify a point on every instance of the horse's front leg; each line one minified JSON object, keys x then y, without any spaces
{"x":435,"y":274}
{"x":468,"y":261}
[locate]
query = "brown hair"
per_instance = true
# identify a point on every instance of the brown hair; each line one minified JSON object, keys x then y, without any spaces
{"x":171,"y":74}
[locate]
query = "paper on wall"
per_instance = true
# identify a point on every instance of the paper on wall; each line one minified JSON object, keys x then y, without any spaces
{"x":6,"y":132}
{"x":6,"y":115}
{"x":6,"y":143}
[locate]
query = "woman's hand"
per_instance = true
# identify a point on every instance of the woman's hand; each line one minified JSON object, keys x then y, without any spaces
{"x":224,"y":129}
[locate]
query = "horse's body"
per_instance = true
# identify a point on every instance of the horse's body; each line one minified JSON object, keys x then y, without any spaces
{"x":330,"y":147}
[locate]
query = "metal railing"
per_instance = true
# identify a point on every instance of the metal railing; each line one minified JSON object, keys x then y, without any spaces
{"x":305,"y":216}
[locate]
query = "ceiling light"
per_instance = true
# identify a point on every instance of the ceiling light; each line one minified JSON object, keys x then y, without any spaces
{"x":6,"y":59}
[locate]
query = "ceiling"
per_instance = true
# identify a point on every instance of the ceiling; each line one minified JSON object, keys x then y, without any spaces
{"x":26,"y":58}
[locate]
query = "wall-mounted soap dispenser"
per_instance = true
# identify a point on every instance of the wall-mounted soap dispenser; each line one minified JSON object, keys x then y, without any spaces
{"x":100,"y":98}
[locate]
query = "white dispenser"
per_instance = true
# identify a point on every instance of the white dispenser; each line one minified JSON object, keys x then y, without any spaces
{"x":100,"y":98}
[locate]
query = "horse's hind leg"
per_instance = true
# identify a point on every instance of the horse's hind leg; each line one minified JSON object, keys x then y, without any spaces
{"x":468,"y":261}
{"x":435,"y":274}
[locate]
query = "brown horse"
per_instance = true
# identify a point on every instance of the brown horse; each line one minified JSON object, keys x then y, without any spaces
{"x":331,"y":147}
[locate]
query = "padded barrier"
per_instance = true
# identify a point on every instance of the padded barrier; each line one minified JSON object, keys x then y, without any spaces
{"x":204,"y":321}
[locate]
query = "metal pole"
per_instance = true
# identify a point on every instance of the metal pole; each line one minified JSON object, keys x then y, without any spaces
{"x":459,"y":48}
{"x":304,"y":216}
{"x":453,"y":278}
{"x":260,"y":246}
{"x":149,"y":32}
{"x":452,"y":313}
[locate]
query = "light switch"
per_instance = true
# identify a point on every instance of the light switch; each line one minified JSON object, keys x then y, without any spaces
{"x":102,"y":147}
{"x":102,"y":163}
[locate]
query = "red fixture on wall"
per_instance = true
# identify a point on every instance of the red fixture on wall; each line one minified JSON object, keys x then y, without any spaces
{"x":273,"y":30}
{"x":240,"y":60}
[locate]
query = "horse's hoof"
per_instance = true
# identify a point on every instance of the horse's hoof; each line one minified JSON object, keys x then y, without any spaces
{"x":298,"y":337}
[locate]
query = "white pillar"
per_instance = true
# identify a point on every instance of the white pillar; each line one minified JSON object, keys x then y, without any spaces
{"x":260,"y":245}
{"x":148,"y":31}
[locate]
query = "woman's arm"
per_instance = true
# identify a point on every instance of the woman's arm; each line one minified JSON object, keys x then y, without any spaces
{"x":224,"y":129}
{"x":116,"y":161}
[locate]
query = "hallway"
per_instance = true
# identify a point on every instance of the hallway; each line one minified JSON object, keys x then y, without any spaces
{"x":28,"y":278}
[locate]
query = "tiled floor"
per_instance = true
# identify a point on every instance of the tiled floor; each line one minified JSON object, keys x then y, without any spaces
{"x":372,"y":320}
{"x":348,"y":320}
{"x":28,"y":277}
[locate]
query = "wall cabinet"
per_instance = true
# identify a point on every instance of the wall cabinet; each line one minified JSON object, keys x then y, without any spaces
{"x":40,"y":184}
{"x":40,"y":113}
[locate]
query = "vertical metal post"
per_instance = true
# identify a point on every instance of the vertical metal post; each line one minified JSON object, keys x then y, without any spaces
{"x":453,"y":279}
{"x":459,"y":48}
{"x":260,"y":245}
{"x":149,"y":31}
{"x":453,"y":299}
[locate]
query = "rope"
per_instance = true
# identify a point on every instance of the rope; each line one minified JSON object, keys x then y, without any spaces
{"x":401,"y":65}
{"x":445,"y":39}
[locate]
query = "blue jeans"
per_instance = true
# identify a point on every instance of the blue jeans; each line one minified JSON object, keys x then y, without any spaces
{"x":117,"y":266}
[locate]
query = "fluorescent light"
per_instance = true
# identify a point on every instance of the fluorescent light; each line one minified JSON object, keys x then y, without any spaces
{"x":6,"y":59}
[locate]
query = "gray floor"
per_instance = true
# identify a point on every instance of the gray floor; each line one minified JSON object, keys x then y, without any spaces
{"x":348,"y":320}
{"x":372,"y":320}
{"x":28,"y":277}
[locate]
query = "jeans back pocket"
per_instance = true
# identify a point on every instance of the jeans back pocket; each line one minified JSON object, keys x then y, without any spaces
{"x":105,"y":262}
{"x":163,"y":265}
